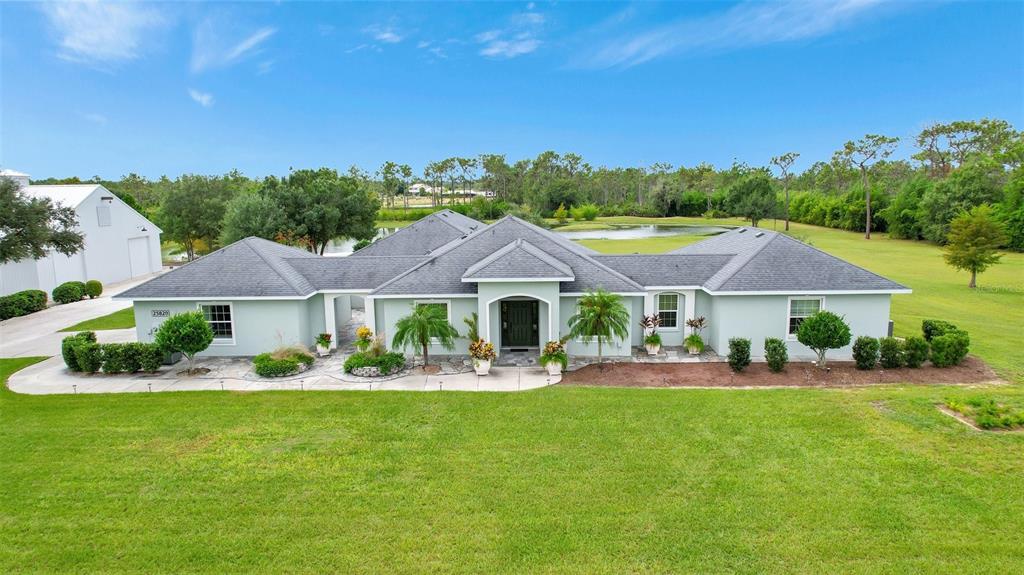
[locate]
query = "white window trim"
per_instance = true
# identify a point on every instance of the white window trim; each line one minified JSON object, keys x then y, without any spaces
{"x":679,"y":314}
{"x":231,"y":310}
{"x":789,"y":310}
{"x":447,"y":306}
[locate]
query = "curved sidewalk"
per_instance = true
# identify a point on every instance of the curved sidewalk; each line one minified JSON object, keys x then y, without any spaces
{"x":51,"y":377}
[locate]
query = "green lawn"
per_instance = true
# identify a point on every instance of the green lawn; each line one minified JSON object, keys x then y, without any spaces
{"x":993,"y":313}
{"x":121,"y":319}
{"x":559,"y":480}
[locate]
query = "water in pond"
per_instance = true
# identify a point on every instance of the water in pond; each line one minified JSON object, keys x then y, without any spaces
{"x":343,"y":246}
{"x":632,"y":232}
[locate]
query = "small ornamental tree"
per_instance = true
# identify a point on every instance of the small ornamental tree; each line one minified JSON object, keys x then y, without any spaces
{"x":427,"y":322}
{"x":974,"y":237}
{"x":187,"y":333}
{"x":602,"y":316}
{"x":823,"y":331}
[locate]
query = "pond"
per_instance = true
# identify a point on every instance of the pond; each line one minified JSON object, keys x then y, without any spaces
{"x":343,"y":247}
{"x":633,"y":232}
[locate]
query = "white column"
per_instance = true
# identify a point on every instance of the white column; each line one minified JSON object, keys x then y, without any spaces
{"x":369,"y":314}
{"x":691,"y":304}
{"x":648,"y":303}
{"x":330,"y":324}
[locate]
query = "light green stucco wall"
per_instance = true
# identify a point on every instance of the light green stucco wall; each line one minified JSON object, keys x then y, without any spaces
{"x":758,"y":317}
{"x":259,"y":326}
{"x":703,"y":308}
{"x":490,"y":294}
{"x":390,"y":310}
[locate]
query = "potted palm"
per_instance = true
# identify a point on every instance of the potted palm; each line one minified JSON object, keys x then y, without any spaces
{"x":483,"y":354}
{"x":323,"y":344}
{"x":554,"y":359}
{"x":694,"y":342}
{"x":652,"y":341}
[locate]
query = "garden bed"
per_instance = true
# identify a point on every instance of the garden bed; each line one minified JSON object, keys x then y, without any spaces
{"x":841,"y":373}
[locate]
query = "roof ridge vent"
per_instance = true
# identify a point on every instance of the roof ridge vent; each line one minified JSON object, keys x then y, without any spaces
{"x":758,"y":234}
{"x":741,"y":230}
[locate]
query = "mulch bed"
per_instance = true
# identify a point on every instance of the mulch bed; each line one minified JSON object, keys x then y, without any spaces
{"x":841,"y":373}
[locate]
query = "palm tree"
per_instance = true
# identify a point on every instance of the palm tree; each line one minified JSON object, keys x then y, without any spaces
{"x":599,"y":315}
{"x":426,"y":322}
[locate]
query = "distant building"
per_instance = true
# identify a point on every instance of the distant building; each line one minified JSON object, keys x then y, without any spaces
{"x":120,"y":243}
{"x":421,"y":189}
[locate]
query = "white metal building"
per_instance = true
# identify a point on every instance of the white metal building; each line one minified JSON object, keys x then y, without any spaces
{"x":120,"y":243}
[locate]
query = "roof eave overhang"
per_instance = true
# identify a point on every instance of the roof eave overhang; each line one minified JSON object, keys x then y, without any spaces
{"x":510,"y":279}
{"x":812,"y":292}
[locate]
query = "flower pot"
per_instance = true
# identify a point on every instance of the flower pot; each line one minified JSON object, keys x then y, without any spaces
{"x":481,"y":366}
{"x":652,"y":348}
{"x":693,"y":350}
{"x":323,"y":350}
{"x":554,"y":367}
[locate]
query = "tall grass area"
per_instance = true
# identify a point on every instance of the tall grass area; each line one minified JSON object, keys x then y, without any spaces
{"x":993,"y":313}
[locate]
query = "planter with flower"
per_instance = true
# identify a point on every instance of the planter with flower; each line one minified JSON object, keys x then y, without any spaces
{"x":323,"y":344}
{"x":652,"y":340}
{"x":554,"y":358}
{"x":483,"y":354}
{"x":364,"y":337}
{"x":694,"y":342}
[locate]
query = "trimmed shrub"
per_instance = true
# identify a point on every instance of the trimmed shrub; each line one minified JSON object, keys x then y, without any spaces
{"x":22,"y":303}
{"x":281,"y":362}
{"x":185,"y":332}
{"x":89,"y":355}
{"x":386,"y":363}
{"x":739,"y":353}
{"x":775,"y":353}
{"x":93,"y":288}
{"x":68,"y":292}
{"x":950,"y":349}
{"x":67,"y":347}
{"x":823,"y":331}
{"x":933,"y":328}
{"x":117,"y":359}
{"x":151,"y":357}
{"x":915,"y":351}
{"x":891,"y":353}
{"x":865,"y":352}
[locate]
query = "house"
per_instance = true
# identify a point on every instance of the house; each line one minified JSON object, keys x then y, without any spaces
{"x":120,"y":243}
{"x":522,"y":281}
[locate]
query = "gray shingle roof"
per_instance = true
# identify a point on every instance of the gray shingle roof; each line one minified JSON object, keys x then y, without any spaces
{"x":519,"y":259}
{"x":667,"y":269}
{"x":423,"y":236}
{"x":764,"y":260}
{"x":252,"y":267}
{"x":334,"y":273}
{"x":442,"y":273}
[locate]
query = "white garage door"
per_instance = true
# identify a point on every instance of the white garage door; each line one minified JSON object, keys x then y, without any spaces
{"x":138,"y":255}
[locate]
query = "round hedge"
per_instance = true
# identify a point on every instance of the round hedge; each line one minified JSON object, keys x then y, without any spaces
{"x":93,"y":288}
{"x":68,"y":292}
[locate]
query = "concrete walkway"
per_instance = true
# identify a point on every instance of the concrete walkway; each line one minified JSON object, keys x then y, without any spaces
{"x":38,"y":333}
{"x":51,"y":377}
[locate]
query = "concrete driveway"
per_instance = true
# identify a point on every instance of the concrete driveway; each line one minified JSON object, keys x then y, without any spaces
{"x":38,"y":333}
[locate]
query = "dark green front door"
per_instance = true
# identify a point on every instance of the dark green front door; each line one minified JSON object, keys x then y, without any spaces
{"x":519,"y":324}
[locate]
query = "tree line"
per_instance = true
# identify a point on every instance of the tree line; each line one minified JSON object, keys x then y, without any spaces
{"x":956,"y":167}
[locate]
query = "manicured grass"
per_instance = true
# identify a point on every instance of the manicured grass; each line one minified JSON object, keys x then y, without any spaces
{"x":578,"y":480}
{"x":121,"y":319}
{"x":992,"y":313}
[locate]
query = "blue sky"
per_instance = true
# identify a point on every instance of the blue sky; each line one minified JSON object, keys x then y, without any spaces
{"x":154,"y":88}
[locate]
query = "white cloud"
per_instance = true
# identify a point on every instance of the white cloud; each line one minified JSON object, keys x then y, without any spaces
{"x":522,"y":44}
{"x":438,"y":52}
{"x":518,"y":38}
{"x":422,"y":44}
{"x":204,"y":99}
{"x":386,"y":34}
{"x":95,"y":32}
{"x":744,"y":25}
{"x":209,"y":49}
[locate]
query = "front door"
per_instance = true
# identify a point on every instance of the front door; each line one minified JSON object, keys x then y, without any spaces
{"x":519,"y":324}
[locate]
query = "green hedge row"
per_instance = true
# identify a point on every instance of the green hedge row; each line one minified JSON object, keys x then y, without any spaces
{"x":387,"y":363}
{"x":82,"y":353}
{"x":266,"y":365}
{"x":22,"y":303}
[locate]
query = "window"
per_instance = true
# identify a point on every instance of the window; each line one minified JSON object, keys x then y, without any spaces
{"x":668,"y":310}
{"x":103,"y":216}
{"x":800,"y":309}
{"x":438,"y":303}
{"x":218,"y":315}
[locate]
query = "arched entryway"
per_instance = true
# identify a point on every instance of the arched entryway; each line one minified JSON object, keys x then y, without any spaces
{"x":520,"y":323}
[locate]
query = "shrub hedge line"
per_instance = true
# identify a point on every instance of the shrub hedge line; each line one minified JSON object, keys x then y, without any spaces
{"x":387,"y":363}
{"x":22,"y":303}
{"x":266,"y":365}
{"x":82,"y":353}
